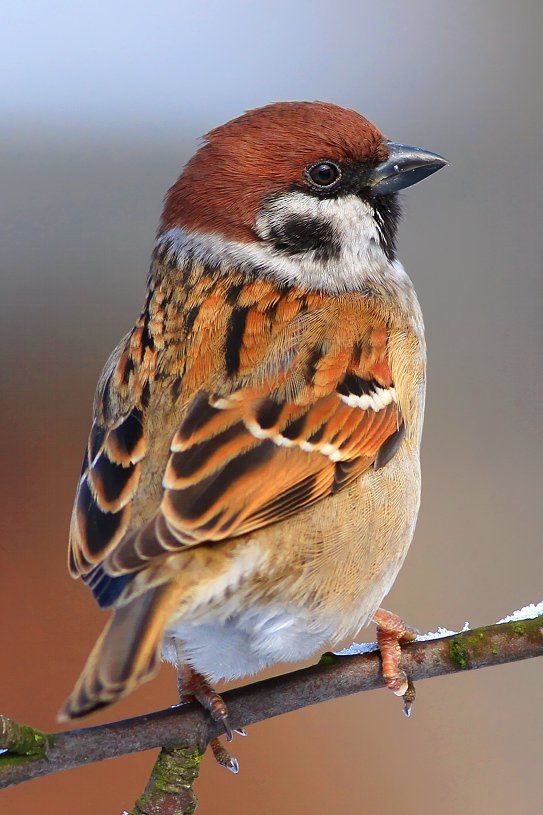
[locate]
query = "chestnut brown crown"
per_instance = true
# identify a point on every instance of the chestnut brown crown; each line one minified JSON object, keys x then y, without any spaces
{"x":262,"y":152}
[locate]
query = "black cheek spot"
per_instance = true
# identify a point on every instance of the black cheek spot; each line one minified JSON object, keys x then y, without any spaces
{"x":303,"y":234}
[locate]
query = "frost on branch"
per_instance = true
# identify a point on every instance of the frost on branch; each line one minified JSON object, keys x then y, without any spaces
{"x":525,"y":613}
{"x":529,"y":612}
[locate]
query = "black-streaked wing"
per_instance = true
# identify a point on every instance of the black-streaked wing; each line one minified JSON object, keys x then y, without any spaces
{"x":242,"y":462}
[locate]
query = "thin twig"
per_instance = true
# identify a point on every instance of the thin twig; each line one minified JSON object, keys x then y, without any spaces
{"x":332,"y":678}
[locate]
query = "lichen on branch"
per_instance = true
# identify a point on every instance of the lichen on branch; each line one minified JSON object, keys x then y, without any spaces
{"x":22,"y":740}
{"x":169,"y":789}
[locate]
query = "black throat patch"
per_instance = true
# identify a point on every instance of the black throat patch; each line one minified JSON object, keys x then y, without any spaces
{"x":387,"y":214}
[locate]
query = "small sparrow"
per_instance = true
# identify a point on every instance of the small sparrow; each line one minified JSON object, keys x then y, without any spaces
{"x":251,"y":481}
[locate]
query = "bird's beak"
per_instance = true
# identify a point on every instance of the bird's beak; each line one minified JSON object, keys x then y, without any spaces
{"x":404,"y":166}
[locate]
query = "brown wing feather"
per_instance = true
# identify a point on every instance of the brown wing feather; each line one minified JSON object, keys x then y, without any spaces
{"x":238,"y":464}
{"x":289,"y":417}
{"x":112,"y":462}
{"x":125,"y":654}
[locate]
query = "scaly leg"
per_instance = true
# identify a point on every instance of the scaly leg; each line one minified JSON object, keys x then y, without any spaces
{"x":391,"y":633}
{"x":223,"y":757}
{"x":195,"y":685}
{"x":192,"y":685}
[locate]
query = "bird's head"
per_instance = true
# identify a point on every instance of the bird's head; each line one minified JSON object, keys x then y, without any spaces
{"x":299,"y":186}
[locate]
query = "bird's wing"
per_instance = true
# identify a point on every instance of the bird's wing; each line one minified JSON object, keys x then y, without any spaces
{"x":248,"y":460}
{"x":300,"y":416}
{"x":113,"y":456}
{"x":306,"y":406}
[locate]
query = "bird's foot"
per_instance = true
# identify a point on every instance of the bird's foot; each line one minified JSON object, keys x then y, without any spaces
{"x":223,"y":757}
{"x":193,"y":685}
{"x":392,"y":632}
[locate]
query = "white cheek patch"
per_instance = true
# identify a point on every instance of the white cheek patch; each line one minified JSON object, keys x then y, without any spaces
{"x":358,"y":259}
{"x":351,"y":217}
{"x":353,"y":235}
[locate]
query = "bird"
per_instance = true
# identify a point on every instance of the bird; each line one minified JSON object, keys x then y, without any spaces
{"x":251,"y":481}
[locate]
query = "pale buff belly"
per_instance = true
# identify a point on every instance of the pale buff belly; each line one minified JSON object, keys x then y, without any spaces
{"x":295,"y":589}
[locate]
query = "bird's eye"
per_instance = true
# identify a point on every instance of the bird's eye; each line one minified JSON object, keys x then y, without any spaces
{"x":323,"y":174}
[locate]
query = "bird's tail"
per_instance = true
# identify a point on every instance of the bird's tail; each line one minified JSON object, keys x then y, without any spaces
{"x":126,"y":654}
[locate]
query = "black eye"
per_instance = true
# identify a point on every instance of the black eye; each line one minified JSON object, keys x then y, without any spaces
{"x":324,"y":174}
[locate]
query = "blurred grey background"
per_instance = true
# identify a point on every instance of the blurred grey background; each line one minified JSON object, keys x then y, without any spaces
{"x":101,"y":104}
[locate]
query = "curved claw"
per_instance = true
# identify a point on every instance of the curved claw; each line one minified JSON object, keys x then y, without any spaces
{"x":233,"y":765}
{"x":223,"y":757}
{"x":229,"y":733}
{"x":409,"y":698}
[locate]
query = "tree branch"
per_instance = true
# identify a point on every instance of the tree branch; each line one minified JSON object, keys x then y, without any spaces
{"x":169,"y":790}
{"x":32,"y":754}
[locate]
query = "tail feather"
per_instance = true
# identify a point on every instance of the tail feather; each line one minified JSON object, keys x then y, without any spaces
{"x":126,"y":653}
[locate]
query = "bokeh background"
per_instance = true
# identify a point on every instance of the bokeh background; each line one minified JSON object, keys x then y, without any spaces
{"x":101,"y":105}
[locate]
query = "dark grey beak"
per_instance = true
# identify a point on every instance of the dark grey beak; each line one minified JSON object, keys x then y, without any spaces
{"x":404,"y":166}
